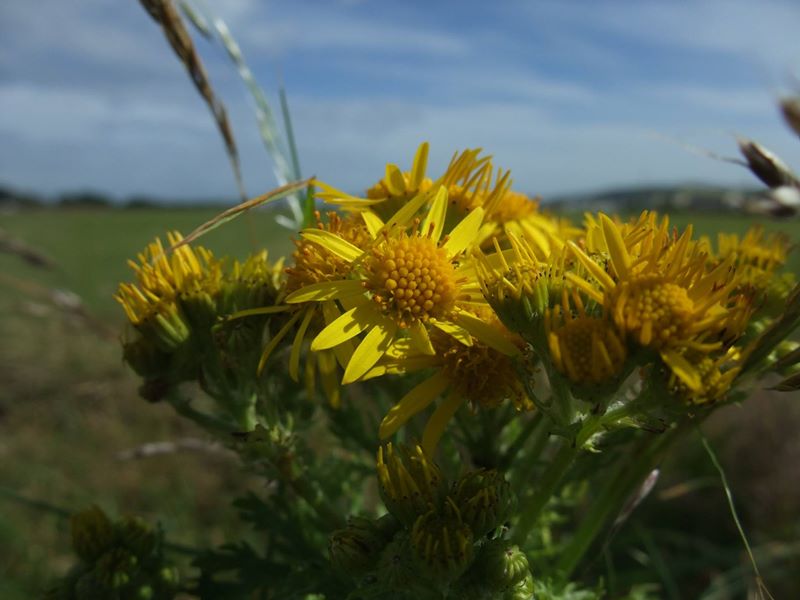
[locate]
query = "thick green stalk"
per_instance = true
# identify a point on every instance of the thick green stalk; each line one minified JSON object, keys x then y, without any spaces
{"x":516,"y":445}
{"x":545,"y":488}
{"x":610,"y":500}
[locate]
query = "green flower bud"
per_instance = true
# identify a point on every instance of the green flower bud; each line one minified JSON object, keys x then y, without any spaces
{"x":502,"y":565}
{"x":396,"y":569}
{"x":442,"y":544}
{"x":166,"y":328}
{"x":522,"y":590}
{"x":410,"y":483}
{"x":169,"y":576}
{"x":199,"y":308}
{"x":136,"y":536}
{"x":484,"y":499}
{"x":355,"y":549}
{"x":92,"y":534}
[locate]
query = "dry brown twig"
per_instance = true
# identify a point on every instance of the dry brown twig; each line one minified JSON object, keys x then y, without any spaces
{"x":183,"y":444}
{"x":166,"y":14}
{"x":19,"y":248}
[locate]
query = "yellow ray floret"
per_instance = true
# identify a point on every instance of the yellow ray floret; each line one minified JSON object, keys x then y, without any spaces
{"x":410,"y":278}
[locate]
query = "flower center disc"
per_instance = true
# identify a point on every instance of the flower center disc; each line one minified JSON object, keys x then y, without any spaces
{"x":412,"y":279}
{"x":656,"y":311}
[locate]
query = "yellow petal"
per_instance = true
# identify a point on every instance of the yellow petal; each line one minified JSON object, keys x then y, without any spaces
{"x":459,"y":333}
{"x":347,"y":326}
{"x":326,"y":290}
{"x":438,"y":422}
{"x":420,"y":338}
{"x":394,"y":181}
{"x":342,"y":351}
{"x":682,"y":369}
{"x":273,"y":343}
{"x":370,"y":350}
{"x":294,"y":356}
{"x":334,"y":196}
{"x":616,"y":246}
{"x":333,"y":243}
{"x":373,"y":223}
{"x":486,"y":333}
{"x":465,"y":233}
{"x":407,"y":211}
{"x":413,"y":402}
{"x":434,"y":220}
{"x":420,"y":165}
{"x":591,"y":266}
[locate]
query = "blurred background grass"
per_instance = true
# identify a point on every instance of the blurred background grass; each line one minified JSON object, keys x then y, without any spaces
{"x":68,"y":407}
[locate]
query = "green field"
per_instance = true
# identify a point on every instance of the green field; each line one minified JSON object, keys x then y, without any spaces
{"x":68,"y":405}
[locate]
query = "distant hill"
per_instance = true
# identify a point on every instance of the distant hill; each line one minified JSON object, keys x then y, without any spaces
{"x":622,"y":200}
{"x":664,"y":198}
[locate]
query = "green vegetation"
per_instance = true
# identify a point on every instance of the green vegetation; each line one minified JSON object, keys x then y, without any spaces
{"x":69,"y":407}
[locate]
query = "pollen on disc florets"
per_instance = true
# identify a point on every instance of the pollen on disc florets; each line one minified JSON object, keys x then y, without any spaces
{"x":411,"y":278}
{"x":313,"y":263}
{"x":480,"y":374}
{"x":656,"y":311}
{"x":512,"y":206}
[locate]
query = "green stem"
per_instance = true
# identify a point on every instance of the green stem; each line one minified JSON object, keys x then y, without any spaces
{"x":546,"y":487}
{"x":522,"y":437}
{"x":207,"y":422}
{"x":611,"y":498}
{"x":309,"y":494}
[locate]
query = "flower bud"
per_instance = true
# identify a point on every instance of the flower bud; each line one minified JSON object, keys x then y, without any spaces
{"x":356,"y":548}
{"x":396,"y":569}
{"x":136,"y":536}
{"x":92,"y":534}
{"x":521,"y":591}
{"x":484,"y":499}
{"x":410,"y":483}
{"x":502,"y":565}
{"x":442,"y":544}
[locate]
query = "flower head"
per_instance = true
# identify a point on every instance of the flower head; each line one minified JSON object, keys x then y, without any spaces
{"x":659,"y":291}
{"x":407,"y":279}
{"x":584,"y":347}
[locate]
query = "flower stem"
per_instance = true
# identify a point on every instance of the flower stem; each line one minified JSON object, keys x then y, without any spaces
{"x":546,"y":487}
{"x":608,"y":503}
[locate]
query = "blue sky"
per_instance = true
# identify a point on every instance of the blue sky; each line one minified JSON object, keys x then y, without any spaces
{"x":572,"y":96}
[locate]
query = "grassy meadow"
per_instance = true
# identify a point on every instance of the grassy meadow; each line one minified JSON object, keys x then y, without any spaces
{"x":69,"y":407}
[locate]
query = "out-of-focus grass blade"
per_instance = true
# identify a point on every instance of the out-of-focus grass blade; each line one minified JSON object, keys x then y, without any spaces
{"x":196,"y":19}
{"x":166,"y":15}
{"x":270,"y":134}
{"x":239,"y":209}
{"x":29,"y":254}
{"x":762,"y":588}
{"x":308,"y":203}
{"x":790,"y":384}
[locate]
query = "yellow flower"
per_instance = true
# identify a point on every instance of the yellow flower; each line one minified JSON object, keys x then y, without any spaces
{"x":408,"y":279}
{"x":716,"y":376}
{"x":397,"y":188}
{"x":476,"y":373}
{"x":313,"y":263}
{"x":756,"y":256}
{"x":663,"y":296}
{"x":172,"y":291}
{"x":519,"y":285}
{"x":162,"y":276}
{"x":585,"y":348}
